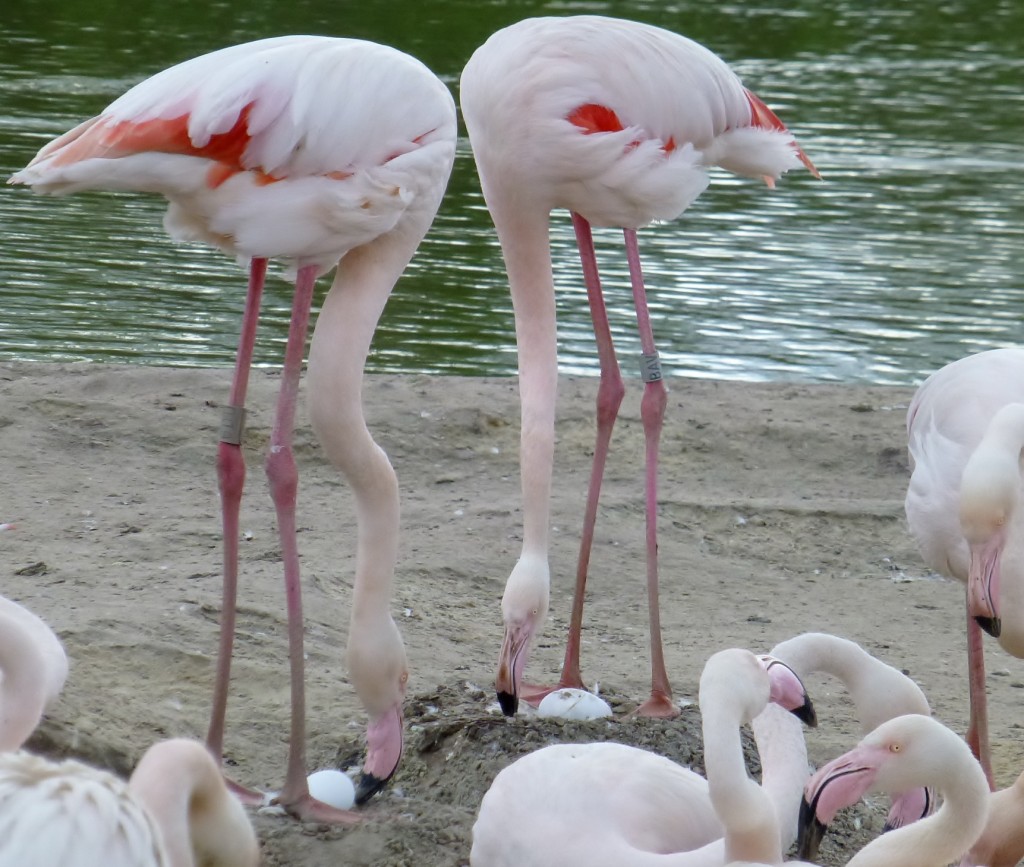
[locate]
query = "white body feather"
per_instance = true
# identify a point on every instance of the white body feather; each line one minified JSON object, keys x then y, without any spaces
{"x":946,"y":421}
{"x":353,"y":132}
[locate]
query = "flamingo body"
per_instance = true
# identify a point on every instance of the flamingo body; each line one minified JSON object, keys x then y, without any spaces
{"x":254,"y":155}
{"x":965,"y":430}
{"x":617,"y":122}
{"x":316,"y":151}
{"x":174,"y":812}
{"x":607,"y":803}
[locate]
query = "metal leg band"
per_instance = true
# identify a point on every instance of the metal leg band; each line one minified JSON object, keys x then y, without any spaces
{"x":650,"y":367}
{"x":232,"y":425}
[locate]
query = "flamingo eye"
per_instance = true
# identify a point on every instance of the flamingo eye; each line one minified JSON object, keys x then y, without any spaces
{"x":895,"y":748}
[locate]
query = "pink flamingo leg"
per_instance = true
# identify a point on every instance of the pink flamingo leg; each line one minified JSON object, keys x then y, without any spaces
{"x":609,"y":398}
{"x":283,"y":477}
{"x":231,"y":479}
{"x":652,"y":413}
{"x":977,"y":729}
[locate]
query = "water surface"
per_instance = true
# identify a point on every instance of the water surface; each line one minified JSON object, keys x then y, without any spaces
{"x":907,"y":255}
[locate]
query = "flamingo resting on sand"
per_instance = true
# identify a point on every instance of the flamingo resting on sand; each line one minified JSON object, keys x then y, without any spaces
{"x":175,"y":812}
{"x":904,"y":753}
{"x":618,"y":122}
{"x":610,"y":804}
{"x":965,"y":429}
{"x":316,"y":151}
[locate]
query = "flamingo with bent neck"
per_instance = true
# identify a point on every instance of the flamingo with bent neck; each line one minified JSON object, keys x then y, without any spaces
{"x":34,"y":667}
{"x":903,"y":753}
{"x":878,"y":691}
{"x":653,"y":791}
{"x":618,"y":122}
{"x":611,"y":804}
{"x":965,"y":430}
{"x":175,"y":812}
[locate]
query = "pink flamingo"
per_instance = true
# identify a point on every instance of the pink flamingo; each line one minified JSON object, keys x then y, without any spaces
{"x":314,"y":150}
{"x":175,"y":812}
{"x":901,"y":754}
{"x":965,"y":429}
{"x":618,"y":122}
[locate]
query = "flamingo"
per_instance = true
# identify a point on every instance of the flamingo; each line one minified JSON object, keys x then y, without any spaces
{"x":618,"y":122}
{"x":558,"y":787}
{"x":314,"y":150}
{"x":965,"y":430}
{"x":878,"y":691}
{"x":610,"y":804}
{"x":175,"y":812}
{"x":1001,"y":844}
{"x":902,"y":753}
{"x":33,"y":668}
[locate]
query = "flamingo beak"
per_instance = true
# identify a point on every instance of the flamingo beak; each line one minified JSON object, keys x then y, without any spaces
{"x":515,"y":648}
{"x":384,"y":750}
{"x":908,"y":807}
{"x":787,"y":690}
{"x":836,"y":785}
{"x":983,"y":585}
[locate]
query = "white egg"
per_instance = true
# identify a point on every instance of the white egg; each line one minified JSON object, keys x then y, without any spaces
{"x":575,"y":704}
{"x":333,"y":788}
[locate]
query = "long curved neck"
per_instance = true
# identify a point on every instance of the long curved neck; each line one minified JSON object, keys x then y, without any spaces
{"x":746,"y":811}
{"x":941,"y":838}
{"x":340,"y":345}
{"x":200,"y":822}
{"x":878,"y":690}
{"x":784,"y":770}
{"x":525,"y":243}
{"x":23,"y":685}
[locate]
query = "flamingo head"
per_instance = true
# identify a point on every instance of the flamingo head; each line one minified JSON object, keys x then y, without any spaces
{"x":988,"y":498}
{"x":787,"y":690}
{"x":380,"y":673}
{"x":895,"y":757}
{"x":524,"y":607}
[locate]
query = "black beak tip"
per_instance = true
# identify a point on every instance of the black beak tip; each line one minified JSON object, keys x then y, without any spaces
{"x":509,"y":703}
{"x":807,"y":714}
{"x":368,"y":786}
{"x":992,"y":625}
{"x":811,"y":833}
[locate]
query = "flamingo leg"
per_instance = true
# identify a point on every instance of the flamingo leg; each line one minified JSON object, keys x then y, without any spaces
{"x":652,"y":413}
{"x":609,"y":398}
{"x":283,"y":476}
{"x":231,"y":480}
{"x":977,"y":729}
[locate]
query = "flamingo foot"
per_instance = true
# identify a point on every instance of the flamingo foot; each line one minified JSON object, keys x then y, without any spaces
{"x":249,"y":797}
{"x":658,"y":706}
{"x":306,"y":808}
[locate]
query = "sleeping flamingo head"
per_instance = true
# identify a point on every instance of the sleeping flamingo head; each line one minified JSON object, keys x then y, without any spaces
{"x":523,"y":607}
{"x":988,"y":497}
{"x":900,"y":755}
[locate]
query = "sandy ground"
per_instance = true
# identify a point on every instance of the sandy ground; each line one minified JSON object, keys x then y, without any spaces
{"x":780,"y":512}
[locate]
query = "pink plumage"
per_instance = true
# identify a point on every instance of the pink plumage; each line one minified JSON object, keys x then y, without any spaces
{"x":312,"y":150}
{"x":618,"y":122}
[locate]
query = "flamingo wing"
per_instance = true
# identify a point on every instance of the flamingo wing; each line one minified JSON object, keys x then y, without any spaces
{"x":299,"y":147}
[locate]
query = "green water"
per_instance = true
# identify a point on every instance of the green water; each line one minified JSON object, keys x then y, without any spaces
{"x":907,"y":255}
